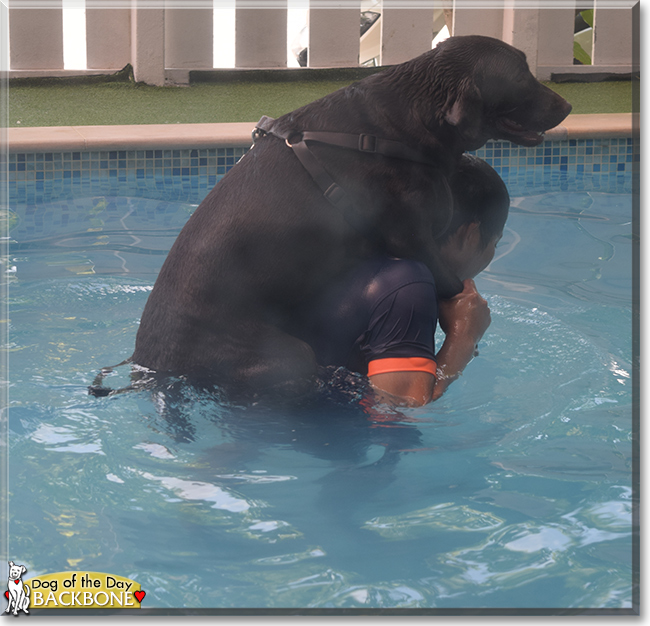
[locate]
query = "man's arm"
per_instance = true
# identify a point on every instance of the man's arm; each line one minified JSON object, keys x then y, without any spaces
{"x":404,"y":388}
{"x":463,"y":318}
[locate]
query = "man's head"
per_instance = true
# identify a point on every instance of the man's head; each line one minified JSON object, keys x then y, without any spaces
{"x":481,"y":204}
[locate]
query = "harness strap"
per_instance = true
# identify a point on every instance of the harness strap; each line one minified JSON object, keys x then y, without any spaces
{"x":367,"y":143}
{"x":332,"y":192}
{"x":362,"y":142}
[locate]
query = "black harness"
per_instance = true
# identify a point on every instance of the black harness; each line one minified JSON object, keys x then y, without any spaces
{"x":332,"y":191}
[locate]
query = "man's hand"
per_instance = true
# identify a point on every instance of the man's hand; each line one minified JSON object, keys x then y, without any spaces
{"x":465,"y":315}
{"x":463,"y":318}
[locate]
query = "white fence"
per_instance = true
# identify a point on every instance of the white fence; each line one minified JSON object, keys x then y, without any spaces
{"x":165,"y":39}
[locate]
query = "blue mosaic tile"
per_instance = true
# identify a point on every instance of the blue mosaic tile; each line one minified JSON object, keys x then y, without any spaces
{"x":178,"y":174}
{"x":599,"y":164}
{"x":603,"y":164}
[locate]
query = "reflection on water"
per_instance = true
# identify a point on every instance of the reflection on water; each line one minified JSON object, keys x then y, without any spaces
{"x":445,"y":516}
{"x":514,"y":490}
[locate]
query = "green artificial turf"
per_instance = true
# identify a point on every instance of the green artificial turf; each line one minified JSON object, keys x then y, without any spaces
{"x":605,"y":97}
{"x":78,"y":103}
{"x":123,"y":103}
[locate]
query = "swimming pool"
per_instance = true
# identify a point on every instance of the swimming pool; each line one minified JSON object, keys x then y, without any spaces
{"x":514,"y":491}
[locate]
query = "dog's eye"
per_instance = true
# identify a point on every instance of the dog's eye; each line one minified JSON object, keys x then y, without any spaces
{"x":508,"y":111}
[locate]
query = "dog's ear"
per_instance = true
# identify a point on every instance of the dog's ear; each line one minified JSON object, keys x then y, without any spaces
{"x":23,"y":569}
{"x":464,"y":111}
{"x":11,"y":563}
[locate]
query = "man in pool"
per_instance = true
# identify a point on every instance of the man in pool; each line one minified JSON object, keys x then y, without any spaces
{"x":380,"y":320}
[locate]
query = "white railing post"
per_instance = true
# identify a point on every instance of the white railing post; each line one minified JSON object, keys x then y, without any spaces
{"x":466,"y":21}
{"x":334,"y":36}
{"x":612,"y":36}
{"x":261,"y":37}
{"x":148,"y":44}
{"x":555,"y":43}
{"x":405,"y":34}
{"x":521,"y":30}
{"x":36,"y":38}
{"x":188,"y":38}
{"x":108,"y":38}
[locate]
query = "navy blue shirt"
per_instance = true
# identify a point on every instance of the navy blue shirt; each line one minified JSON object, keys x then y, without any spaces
{"x":385,"y":308}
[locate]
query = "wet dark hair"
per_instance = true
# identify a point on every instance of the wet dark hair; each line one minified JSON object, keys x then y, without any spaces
{"x":479,"y":196}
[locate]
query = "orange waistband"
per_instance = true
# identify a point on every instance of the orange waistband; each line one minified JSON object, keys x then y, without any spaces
{"x":410,"y":364}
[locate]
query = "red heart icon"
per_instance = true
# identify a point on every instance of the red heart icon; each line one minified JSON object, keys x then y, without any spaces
{"x":139,"y":595}
{"x":7,"y":595}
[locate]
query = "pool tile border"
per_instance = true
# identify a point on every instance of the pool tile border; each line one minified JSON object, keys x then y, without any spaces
{"x":565,"y":159}
{"x":579,"y":164}
{"x":174,"y":174}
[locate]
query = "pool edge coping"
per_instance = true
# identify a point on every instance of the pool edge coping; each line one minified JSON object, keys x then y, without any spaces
{"x":238,"y":134}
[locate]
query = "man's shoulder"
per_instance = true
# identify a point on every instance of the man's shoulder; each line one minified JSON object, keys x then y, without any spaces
{"x":397,"y":273}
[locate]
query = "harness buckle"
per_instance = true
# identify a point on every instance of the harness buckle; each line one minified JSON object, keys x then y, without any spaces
{"x":335,"y":194}
{"x":367,"y":143}
{"x":257,"y":133}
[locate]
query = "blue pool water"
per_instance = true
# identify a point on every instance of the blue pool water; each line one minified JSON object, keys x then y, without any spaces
{"x":512,"y":491}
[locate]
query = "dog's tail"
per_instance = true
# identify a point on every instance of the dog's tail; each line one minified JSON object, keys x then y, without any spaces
{"x":98,"y":390}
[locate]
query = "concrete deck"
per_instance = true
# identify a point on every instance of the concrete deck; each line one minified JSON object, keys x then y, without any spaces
{"x":185,"y":136}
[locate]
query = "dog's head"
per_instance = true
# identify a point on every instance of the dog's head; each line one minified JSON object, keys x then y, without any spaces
{"x":16,"y":571}
{"x":487,"y":91}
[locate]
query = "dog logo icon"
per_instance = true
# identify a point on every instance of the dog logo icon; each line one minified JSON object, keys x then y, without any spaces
{"x":17,"y":593}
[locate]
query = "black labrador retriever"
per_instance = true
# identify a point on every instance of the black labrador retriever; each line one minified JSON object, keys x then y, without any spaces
{"x":360,"y":170}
